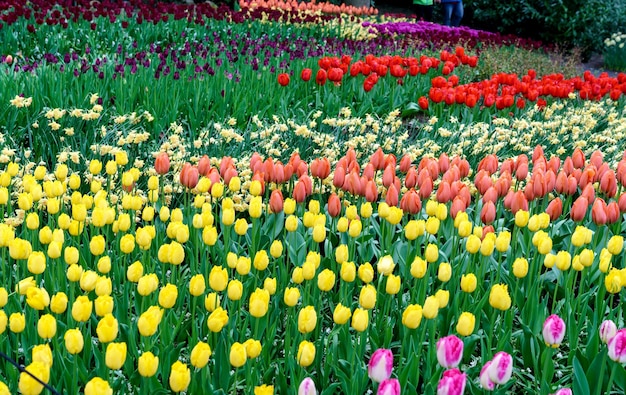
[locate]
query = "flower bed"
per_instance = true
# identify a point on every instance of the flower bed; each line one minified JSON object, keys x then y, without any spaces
{"x":216,"y":202}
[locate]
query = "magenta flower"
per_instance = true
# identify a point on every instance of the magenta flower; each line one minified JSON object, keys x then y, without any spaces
{"x":553,"y":331}
{"x":608,"y":329}
{"x":380,"y":366}
{"x":563,"y":391}
{"x":501,"y":368}
{"x":389,"y":387}
{"x":452,"y":383}
{"x":617,"y":347}
{"x":449,"y":351}
{"x":307,"y":387}
{"x":485,"y":381}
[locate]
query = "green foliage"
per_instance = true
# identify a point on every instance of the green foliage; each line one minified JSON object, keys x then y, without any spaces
{"x":518,"y":60}
{"x":569,"y":23}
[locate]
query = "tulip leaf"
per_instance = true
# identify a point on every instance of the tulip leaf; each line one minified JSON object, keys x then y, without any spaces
{"x":596,"y":366}
{"x":330,"y":389}
{"x":580,"y":384}
{"x":410,"y":109}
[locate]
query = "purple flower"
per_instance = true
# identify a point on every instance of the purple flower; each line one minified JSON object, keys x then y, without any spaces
{"x":380,"y":365}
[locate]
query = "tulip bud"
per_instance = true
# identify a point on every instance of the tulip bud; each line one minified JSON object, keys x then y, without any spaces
{"x":148,"y":364}
{"x":306,"y":353}
{"x":617,"y":347}
{"x":608,"y":329}
{"x":307,"y":387}
{"x":553,"y":331}
{"x":501,"y":368}
{"x":449,"y":351}
{"x":380,"y":365}
{"x":180,"y":377}
{"x":452,"y":383}
{"x":485,"y":381}
{"x":389,"y":387}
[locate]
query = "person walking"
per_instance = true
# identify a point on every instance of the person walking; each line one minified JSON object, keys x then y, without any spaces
{"x":452,"y":12}
{"x":423,"y":10}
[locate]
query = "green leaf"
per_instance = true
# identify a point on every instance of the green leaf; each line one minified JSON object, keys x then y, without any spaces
{"x":580,"y":384}
{"x":411,"y":109}
{"x":593,"y":377}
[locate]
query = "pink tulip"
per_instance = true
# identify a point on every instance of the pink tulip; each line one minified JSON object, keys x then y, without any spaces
{"x":307,"y":387}
{"x":449,"y":351}
{"x":485,"y":381}
{"x":452,"y":383}
{"x":389,"y":387}
{"x":608,"y":329}
{"x":617,"y":347}
{"x":380,"y":365}
{"x":563,"y":391}
{"x":501,"y":368}
{"x":553,"y":331}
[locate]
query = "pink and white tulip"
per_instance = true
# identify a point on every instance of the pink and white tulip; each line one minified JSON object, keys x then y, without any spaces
{"x":380,"y":366}
{"x":563,"y":391}
{"x":452,"y":383}
{"x":389,"y":387}
{"x":617,"y":347}
{"x":608,"y":329}
{"x":501,"y":368}
{"x":449,"y":351}
{"x":307,"y":387}
{"x":485,"y":381}
{"x":553,"y":331}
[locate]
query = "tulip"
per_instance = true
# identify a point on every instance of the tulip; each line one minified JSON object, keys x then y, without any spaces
{"x":341,"y":314}
{"x":238,"y":355}
{"x":452,"y":383}
{"x":307,"y":319}
{"x":149,"y":321}
{"x":218,"y":278}
{"x":412,"y":316}
{"x":389,"y":387}
{"x":306,"y":353}
{"x":499,"y":297}
{"x":617,"y":347}
{"x":47,"y":326}
{"x":380,"y":365}
{"x":501,"y":368}
{"x":115,"y":355}
{"x":430,"y":309}
{"x":200,"y":355}
{"x":264,"y":390}
{"x":162,"y":163}
{"x":148,"y":364}
{"x":553,"y":331}
{"x":259,"y":303}
{"x":449,"y":351}
{"x":563,"y":391}
{"x":367,"y":297}
{"x":107,"y":329}
{"x":197,"y":285}
{"x":360,"y":319}
{"x":180,"y":377}
{"x":253,"y":348}
{"x":29,"y":385}
{"x":307,"y":387}
{"x":485,"y":381}
{"x":74,"y":341}
{"x":98,"y":386}
{"x":608,"y":329}
{"x":466,"y":323}
{"x":43,"y":353}
{"x":168,"y":295}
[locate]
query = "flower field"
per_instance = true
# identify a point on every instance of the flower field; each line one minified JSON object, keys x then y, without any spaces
{"x":301,"y":198}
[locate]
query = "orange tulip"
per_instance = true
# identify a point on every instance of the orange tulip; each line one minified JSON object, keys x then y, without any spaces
{"x":378,"y":159}
{"x":334,"y":205}
{"x":555,"y":209}
{"x":405,"y":163}
{"x":579,"y":209}
{"x":162,"y":163}
{"x":612,"y":213}
{"x":276,"y":201}
{"x":488,"y":213}
{"x":392,"y":196}
{"x":608,"y":183}
{"x":371,"y":191}
{"x":578,"y":158}
{"x":599,"y":212}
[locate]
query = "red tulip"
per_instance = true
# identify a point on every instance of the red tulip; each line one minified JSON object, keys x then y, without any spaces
{"x":334,"y":205}
{"x":320,"y":77}
{"x":371,"y":191}
{"x":608,"y":183}
{"x":306,"y":74}
{"x":378,"y":159}
{"x":578,"y":158}
{"x":283,"y":79}
{"x":612,"y":212}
